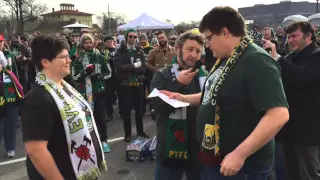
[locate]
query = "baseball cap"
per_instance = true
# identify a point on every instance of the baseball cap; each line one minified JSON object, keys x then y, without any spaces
{"x":1,"y":37}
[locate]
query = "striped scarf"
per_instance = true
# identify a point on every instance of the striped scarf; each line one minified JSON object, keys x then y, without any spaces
{"x":176,"y":146}
{"x":210,"y":127}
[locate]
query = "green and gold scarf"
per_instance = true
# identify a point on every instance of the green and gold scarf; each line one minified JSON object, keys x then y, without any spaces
{"x":177,"y":130}
{"x":210,"y":126}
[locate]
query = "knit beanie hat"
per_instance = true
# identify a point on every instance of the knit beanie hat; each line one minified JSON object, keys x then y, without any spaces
{"x":129,"y":31}
{"x":84,"y":38}
{"x":154,"y":41}
{"x":108,"y":38}
{"x":143,"y":36}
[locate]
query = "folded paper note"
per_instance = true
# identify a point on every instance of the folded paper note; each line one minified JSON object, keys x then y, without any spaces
{"x":173,"y":102}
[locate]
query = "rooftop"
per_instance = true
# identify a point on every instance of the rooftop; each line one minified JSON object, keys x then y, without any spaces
{"x":66,"y":4}
{"x":68,"y":12}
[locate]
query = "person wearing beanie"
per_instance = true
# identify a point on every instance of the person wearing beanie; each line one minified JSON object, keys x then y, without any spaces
{"x":89,"y":71}
{"x":130,"y":63}
{"x":172,"y":40}
{"x":148,"y":76}
{"x":154,"y":43}
{"x":143,"y":40}
{"x":111,"y":83}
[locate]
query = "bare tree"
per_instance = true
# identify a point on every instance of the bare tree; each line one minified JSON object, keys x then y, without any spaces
{"x":114,"y":21}
{"x":168,"y":21}
{"x":14,"y":5}
{"x":33,"y":11}
{"x":187,"y":25}
{"x":25,"y":11}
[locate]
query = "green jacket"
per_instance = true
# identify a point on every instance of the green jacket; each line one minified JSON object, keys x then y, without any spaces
{"x":147,"y":50}
{"x":97,"y":78}
{"x":13,"y":66}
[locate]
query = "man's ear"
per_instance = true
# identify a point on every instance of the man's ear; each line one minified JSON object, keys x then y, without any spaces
{"x":45,"y":62}
{"x":225,"y":32}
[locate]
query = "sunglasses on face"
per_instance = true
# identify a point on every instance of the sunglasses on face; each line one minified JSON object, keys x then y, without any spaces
{"x":133,"y":37}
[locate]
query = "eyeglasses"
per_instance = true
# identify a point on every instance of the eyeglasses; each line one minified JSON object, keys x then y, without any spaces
{"x":173,"y":39}
{"x":133,"y":37}
{"x":64,"y":57}
{"x":209,"y":38}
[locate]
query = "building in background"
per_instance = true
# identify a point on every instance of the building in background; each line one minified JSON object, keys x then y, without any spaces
{"x":273,"y":14}
{"x":68,"y":13}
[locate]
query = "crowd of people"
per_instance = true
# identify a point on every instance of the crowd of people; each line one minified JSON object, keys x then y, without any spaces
{"x":253,"y":102}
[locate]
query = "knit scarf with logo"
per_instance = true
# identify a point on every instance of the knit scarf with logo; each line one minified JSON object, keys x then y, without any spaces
{"x":208,"y":130}
{"x":86,"y":59}
{"x":82,"y":151}
{"x":133,"y":81}
{"x":10,"y":88}
{"x":176,"y":151}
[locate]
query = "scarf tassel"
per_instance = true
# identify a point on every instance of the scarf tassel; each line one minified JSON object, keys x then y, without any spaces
{"x":17,"y":86}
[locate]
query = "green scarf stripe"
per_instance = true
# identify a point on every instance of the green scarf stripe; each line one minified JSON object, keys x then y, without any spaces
{"x":176,"y":145}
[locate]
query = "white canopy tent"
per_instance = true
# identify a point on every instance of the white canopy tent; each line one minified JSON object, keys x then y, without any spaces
{"x":294,"y":18}
{"x":76,"y":25}
{"x":314,"y":19}
{"x":145,"y":22}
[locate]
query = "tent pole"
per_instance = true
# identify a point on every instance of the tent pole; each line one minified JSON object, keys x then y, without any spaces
{"x":109,"y":20}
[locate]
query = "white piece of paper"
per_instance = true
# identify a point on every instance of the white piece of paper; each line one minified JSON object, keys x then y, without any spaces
{"x":172,"y":102}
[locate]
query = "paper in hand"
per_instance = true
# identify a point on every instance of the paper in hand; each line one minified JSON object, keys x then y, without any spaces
{"x":172,"y":102}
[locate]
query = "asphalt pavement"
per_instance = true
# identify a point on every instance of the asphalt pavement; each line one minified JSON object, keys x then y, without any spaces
{"x":118,"y":167}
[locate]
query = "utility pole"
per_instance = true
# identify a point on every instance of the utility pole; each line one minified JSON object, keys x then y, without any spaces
{"x":317,"y":6}
{"x":109,"y":21}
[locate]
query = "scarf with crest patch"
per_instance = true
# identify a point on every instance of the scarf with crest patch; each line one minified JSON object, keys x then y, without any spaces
{"x":176,"y":147}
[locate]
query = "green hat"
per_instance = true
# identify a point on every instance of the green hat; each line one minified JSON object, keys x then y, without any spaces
{"x":318,"y":33}
{"x":129,"y":31}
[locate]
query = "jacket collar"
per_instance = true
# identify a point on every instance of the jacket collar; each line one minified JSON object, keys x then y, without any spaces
{"x":305,"y":52}
{"x":168,"y":47}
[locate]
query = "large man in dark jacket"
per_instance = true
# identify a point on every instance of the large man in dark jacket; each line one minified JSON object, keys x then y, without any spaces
{"x":130,"y":64}
{"x":176,"y":155}
{"x":301,"y":80}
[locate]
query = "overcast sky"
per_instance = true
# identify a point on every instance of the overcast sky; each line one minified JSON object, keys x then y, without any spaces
{"x":175,"y":10}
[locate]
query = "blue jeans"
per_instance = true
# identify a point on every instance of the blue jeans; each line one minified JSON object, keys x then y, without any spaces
{"x":176,"y":173}
{"x":8,"y":127}
{"x":279,"y":162}
{"x":213,"y":173}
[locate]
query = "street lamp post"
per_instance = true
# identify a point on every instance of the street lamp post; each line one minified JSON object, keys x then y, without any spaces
{"x":317,"y":6}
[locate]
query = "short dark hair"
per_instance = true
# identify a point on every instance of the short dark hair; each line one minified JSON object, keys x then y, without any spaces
{"x":23,"y":38}
{"x":223,"y":17}
{"x":46,"y":47}
{"x":305,"y":28}
{"x":191,"y":36}
{"x":161,"y":32}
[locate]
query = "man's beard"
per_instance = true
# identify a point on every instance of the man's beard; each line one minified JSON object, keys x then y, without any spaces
{"x":163,"y":43}
{"x":88,"y":49}
{"x":184,"y":62}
